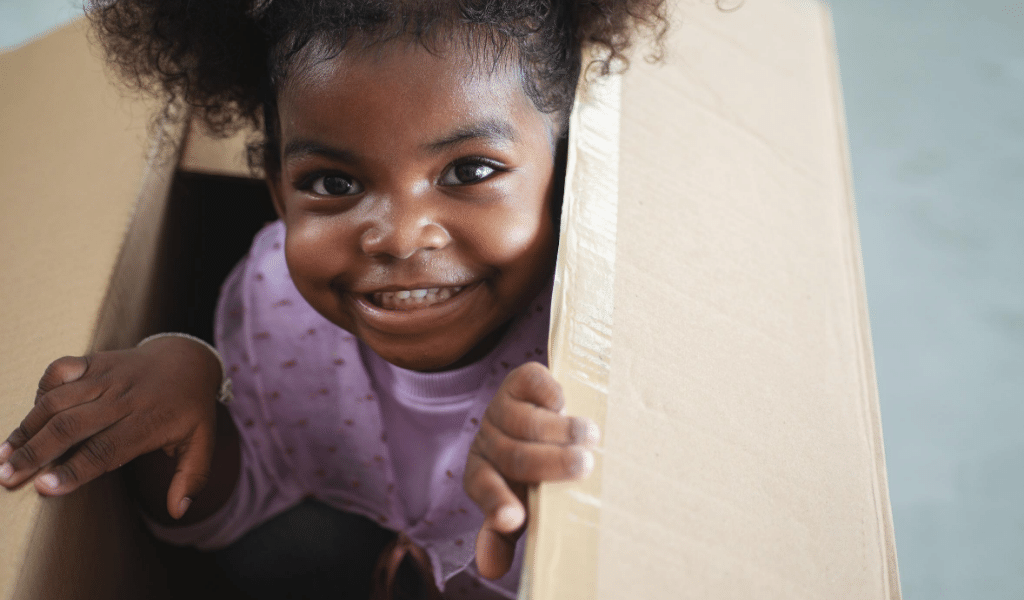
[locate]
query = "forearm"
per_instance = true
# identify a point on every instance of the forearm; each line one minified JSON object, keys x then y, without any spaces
{"x":150,"y":476}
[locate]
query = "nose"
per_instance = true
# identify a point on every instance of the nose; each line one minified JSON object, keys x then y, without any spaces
{"x":403,"y":227}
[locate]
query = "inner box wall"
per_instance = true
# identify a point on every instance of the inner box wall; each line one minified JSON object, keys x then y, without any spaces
{"x":210,"y":221}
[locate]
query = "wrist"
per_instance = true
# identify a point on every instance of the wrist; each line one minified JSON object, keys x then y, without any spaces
{"x":224,"y":393}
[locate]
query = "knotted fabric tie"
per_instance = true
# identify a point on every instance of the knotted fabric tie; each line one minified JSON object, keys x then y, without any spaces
{"x":386,"y":583}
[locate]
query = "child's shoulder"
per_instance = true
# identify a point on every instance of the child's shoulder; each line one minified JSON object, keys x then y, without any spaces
{"x":264,"y":270}
{"x":268,"y":241}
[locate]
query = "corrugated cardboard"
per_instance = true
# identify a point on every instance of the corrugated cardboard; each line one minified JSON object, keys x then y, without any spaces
{"x":743,"y":454}
{"x":75,"y":166}
{"x":709,"y":313}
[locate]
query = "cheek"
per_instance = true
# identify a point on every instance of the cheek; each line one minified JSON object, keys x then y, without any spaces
{"x":527,"y":242}
{"x":512,"y":234}
{"x":314,"y":252}
{"x":521,"y":227}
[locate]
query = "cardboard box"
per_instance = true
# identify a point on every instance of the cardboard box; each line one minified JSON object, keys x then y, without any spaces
{"x":709,"y":312}
{"x":73,"y":163}
{"x":713,"y":318}
{"x":104,"y":241}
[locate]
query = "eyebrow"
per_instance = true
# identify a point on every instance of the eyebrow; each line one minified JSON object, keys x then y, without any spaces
{"x":490,"y":129}
{"x":300,"y":148}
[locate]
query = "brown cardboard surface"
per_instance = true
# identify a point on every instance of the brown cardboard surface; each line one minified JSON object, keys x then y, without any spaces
{"x":212,"y":155}
{"x":742,"y":453}
{"x":73,"y":163}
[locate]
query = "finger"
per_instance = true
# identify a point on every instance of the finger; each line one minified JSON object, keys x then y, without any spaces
{"x":191,"y":474}
{"x":503,"y":510}
{"x":52,"y":403}
{"x":100,"y":453}
{"x":61,"y":371}
{"x":525,"y":421}
{"x":61,"y":433}
{"x":505,"y":515}
{"x":532,"y":462}
{"x":533,"y":383}
{"x":494,"y":552}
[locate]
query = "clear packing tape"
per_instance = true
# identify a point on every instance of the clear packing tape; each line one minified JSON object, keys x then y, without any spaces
{"x":580,"y":343}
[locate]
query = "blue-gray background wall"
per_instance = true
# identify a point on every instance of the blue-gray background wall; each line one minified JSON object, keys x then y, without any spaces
{"x":935,"y":104}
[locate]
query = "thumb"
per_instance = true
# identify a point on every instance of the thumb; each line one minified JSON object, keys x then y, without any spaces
{"x":496,"y":542}
{"x":495,"y":551}
{"x":191,"y":474}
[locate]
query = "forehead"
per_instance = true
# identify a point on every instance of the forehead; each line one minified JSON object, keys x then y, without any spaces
{"x":397,"y":89}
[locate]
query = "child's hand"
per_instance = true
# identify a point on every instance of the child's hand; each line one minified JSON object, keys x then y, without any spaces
{"x":94,"y":414}
{"x":523,"y":439}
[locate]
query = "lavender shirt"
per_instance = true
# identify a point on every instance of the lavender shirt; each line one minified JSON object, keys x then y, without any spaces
{"x":321,"y":415}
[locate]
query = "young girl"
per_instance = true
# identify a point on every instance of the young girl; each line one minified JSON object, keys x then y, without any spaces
{"x":385,"y":338}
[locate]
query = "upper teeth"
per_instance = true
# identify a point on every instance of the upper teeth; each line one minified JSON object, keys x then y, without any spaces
{"x":415,"y":298}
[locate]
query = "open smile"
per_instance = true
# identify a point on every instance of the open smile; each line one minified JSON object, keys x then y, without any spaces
{"x":408,"y":311}
{"x":413,"y":299}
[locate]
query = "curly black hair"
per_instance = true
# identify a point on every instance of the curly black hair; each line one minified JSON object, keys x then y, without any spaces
{"x":227,"y":59}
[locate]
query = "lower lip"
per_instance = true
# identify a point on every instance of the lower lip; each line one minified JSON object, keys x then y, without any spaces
{"x":411,"y":321}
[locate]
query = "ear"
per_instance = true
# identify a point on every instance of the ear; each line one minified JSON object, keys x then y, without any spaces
{"x":276,"y":195}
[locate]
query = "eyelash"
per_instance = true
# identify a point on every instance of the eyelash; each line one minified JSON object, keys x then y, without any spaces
{"x":308,"y":182}
{"x":496,"y":168}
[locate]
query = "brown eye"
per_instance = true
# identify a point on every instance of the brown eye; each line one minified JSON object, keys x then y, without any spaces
{"x":335,"y":185}
{"x":467,"y":173}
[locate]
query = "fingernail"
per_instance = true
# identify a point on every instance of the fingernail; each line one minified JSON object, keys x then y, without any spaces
{"x":5,"y":451}
{"x":584,"y":463}
{"x":49,"y":481}
{"x":183,"y":506}
{"x":6,"y":471}
{"x":585,"y":432}
{"x":509,"y":518}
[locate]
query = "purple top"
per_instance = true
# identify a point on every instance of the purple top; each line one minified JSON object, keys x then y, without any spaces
{"x":321,"y":415}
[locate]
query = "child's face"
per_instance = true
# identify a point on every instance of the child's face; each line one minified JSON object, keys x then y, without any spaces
{"x":416,"y":192}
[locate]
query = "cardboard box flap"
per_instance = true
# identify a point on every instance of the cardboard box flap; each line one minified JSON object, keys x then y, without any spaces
{"x":210,"y":154}
{"x":742,"y":453}
{"x":79,"y":172}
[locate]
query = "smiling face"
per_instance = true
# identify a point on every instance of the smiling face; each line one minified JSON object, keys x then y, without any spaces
{"x":416,"y":193}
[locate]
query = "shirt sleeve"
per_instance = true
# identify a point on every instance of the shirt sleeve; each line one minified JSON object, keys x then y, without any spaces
{"x":265,"y":486}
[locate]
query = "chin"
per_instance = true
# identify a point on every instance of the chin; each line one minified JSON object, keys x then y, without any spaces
{"x":440,"y":355}
{"x":415,"y":358}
